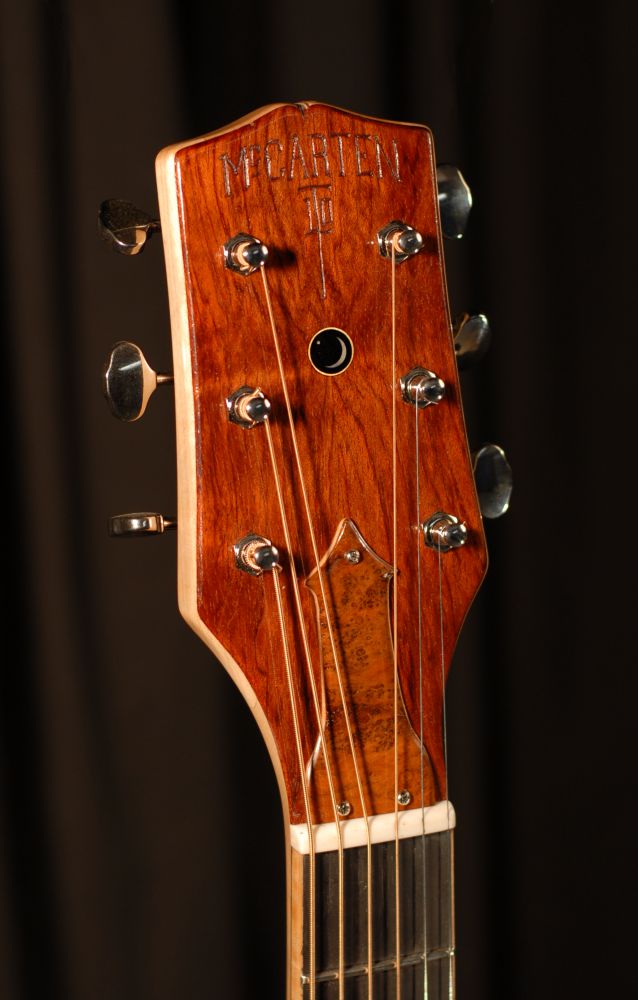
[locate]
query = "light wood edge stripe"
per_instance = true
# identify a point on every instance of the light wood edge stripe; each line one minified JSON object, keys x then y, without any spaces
{"x":187,"y":474}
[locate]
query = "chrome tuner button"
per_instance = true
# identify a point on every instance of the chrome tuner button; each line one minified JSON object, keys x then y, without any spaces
{"x":422,"y":388}
{"x":444,"y":532}
{"x":494,"y":482}
{"x":247,"y":407}
{"x":125,"y":227}
{"x":245,"y":254}
{"x":138,"y":525}
{"x":455,"y":200}
{"x":472,"y":337}
{"x":129,"y":381}
{"x":255,"y":554}
{"x":405,"y":240}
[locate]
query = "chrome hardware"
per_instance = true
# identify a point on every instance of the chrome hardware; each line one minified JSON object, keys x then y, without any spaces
{"x":139,"y":525}
{"x":245,"y":254}
{"x":247,"y":406}
{"x":472,"y":337}
{"x":353,"y":556}
{"x":255,"y":554}
{"x":126,"y":227}
{"x":404,"y":238}
{"x":444,"y":532}
{"x":404,"y":798}
{"x":455,"y":200}
{"x":422,"y":388}
{"x":129,"y":381}
{"x":493,"y":475}
{"x":344,"y":808}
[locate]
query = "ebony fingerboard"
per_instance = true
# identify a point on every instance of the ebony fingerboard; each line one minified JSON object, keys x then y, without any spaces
{"x":426,"y":920}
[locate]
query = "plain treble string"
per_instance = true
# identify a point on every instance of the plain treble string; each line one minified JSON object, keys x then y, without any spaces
{"x":317,"y":708}
{"x":395,"y":603}
{"x":333,"y":647}
{"x":420,"y":641}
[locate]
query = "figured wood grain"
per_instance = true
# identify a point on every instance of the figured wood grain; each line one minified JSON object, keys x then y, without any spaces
{"x":262,"y":177}
{"x":358,"y":608}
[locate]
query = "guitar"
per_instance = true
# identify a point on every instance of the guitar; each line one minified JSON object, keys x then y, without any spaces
{"x":330,"y":535}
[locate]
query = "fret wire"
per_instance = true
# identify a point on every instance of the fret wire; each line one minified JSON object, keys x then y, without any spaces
{"x":416,"y":872}
{"x":333,"y":645}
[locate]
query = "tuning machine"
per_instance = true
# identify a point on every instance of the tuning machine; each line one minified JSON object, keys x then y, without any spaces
{"x":129,"y":381}
{"x":455,"y":200}
{"x":494,"y":482}
{"x":126,"y":227}
{"x":472,"y":338}
{"x":140,"y":525}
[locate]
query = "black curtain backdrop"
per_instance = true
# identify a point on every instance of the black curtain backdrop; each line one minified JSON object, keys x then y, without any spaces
{"x":140,"y":833}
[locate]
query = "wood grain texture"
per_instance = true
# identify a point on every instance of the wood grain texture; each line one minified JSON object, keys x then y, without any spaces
{"x":282,"y":175}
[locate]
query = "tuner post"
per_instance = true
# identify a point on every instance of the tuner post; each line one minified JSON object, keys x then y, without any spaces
{"x":422,"y":388}
{"x":245,"y":254}
{"x":401,"y":238}
{"x":444,"y":532}
{"x":256,"y":555}
{"x":247,"y":407}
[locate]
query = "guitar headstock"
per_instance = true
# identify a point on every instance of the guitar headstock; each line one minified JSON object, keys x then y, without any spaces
{"x":329,"y":533}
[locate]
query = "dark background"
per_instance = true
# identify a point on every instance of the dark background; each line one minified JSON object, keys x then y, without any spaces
{"x":140,"y":838}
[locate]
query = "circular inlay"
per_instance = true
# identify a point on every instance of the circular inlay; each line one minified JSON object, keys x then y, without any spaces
{"x":330,"y":351}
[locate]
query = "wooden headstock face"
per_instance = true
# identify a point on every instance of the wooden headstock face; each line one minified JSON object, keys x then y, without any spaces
{"x":317,"y":185}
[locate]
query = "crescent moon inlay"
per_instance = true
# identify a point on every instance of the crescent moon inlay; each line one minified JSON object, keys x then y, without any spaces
{"x":330,"y":351}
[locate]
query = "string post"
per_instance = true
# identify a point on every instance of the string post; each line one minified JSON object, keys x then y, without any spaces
{"x":444,"y":532}
{"x":256,"y":555}
{"x":421,"y":388}
{"x":397,"y":241}
{"x":245,"y":254}
{"x":247,"y":407}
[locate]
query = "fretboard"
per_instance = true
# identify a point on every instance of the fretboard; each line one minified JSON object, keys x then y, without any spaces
{"x":426,"y":921}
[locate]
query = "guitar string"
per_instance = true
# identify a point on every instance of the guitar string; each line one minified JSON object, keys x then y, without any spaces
{"x":452,"y":956}
{"x":420,"y":635}
{"x":304,"y":784}
{"x":315,"y":694}
{"x":333,"y":647}
{"x":395,"y":601}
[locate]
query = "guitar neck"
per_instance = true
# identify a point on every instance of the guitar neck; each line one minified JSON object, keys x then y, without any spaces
{"x":426,"y":921}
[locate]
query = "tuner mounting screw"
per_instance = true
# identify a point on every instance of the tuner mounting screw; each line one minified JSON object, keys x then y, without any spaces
{"x":245,"y":254}
{"x":422,"y":388}
{"x":247,"y":407}
{"x":353,"y":556}
{"x":344,"y":808}
{"x":444,"y":532}
{"x":255,"y":554}
{"x":404,"y":798}
{"x":405,"y":240}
